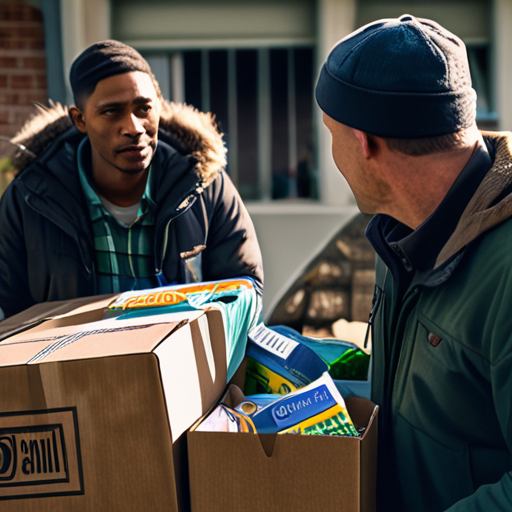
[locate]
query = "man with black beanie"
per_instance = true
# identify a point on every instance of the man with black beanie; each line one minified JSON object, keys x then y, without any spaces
{"x":397,"y":98}
{"x":126,"y":192}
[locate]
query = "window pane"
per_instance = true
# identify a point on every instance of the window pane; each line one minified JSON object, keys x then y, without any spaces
{"x":246,"y":78}
{"x":192,"y":67}
{"x":279,"y":102}
{"x":219,"y":88}
{"x":306,"y":184}
{"x":263,"y":103}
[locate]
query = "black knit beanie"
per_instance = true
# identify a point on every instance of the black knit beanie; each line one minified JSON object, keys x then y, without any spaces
{"x":102,"y":60}
{"x":401,"y":78}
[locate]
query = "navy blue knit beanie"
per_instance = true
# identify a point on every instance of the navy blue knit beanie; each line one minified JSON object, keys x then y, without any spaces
{"x":102,"y":60}
{"x":402,"y":78}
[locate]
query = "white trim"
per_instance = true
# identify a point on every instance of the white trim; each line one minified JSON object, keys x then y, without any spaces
{"x":73,"y":37}
{"x":211,"y":44}
{"x":82,"y":23}
{"x":336,"y":19}
{"x":476,"y":41}
{"x":177,"y":78}
{"x":287,"y":207}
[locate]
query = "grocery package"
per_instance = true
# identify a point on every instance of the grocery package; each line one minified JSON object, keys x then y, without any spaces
{"x":279,"y":364}
{"x":316,"y":409}
{"x":281,"y":360}
{"x":225,"y":419}
{"x":345,"y":359}
{"x":237,"y":299}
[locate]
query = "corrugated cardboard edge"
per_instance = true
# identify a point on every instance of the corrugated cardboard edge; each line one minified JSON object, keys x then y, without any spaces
{"x":364,"y":413}
{"x":180,"y":445}
{"x":358,"y":409}
{"x":37,"y":394}
{"x":45,"y":311}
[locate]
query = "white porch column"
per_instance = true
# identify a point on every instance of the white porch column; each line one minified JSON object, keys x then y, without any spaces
{"x":503,"y":62}
{"x":336,"y":19}
{"x":83,"y":23}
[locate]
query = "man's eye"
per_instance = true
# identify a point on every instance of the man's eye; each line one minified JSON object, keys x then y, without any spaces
{"x":109,"y":111}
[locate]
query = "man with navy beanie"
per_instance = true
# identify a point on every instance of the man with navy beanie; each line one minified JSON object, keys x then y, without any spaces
{"x":397,"y":98}
{"x":122,"y":191}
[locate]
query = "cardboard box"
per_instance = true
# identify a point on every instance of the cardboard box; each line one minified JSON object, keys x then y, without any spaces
{"x":91,"y":414}
{"x":274,"y":473}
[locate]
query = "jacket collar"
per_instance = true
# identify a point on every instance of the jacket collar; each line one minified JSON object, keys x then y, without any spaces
{"x":479,"y":199}
{"x":421,"y":247}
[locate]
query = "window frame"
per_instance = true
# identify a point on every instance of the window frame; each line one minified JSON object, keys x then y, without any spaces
{"x":172,"y":52}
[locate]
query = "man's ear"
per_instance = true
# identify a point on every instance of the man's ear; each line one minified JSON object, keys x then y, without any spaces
{"x":78,"y":119}
{"x":367,"y":145}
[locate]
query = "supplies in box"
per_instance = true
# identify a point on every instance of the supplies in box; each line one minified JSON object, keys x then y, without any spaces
{"x":233,"y":471}
{"x":281,"y":360}
{"x":100,"y":393}
{"x":316,"y":409}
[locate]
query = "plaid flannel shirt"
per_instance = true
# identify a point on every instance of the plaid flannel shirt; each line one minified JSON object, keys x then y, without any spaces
{"x":124,"y":255}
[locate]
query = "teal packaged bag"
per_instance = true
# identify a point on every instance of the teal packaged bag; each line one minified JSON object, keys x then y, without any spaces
{"x":238,"y":300}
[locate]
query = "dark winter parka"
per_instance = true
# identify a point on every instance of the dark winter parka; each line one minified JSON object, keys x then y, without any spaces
{"x":46,"y":239}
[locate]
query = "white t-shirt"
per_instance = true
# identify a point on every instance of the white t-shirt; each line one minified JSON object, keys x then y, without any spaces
{"x":124,"y":214}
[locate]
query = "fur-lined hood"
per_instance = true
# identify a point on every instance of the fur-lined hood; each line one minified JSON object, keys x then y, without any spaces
{"x":194,"y":132}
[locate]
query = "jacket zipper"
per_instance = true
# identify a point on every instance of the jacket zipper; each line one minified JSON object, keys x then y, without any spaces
{"x":192,"y":199}
{"x":407,"y":305}
{"x":390,"y":362}
{"x":377,"y":297}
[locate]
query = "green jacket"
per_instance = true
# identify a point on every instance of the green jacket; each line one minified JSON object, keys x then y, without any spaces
{"x":442,"y":367}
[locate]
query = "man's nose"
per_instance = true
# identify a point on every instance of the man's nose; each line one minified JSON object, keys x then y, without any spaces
{"x":133,"y":127}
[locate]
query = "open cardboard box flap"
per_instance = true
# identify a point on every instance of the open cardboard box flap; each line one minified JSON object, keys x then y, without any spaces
{"x":76,"y":311}
{"x":95,"y":339}
{"x":108,"y":400}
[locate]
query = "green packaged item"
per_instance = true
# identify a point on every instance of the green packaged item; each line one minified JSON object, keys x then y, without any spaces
{"x":345,"y":360}
{"x":351,"y":365}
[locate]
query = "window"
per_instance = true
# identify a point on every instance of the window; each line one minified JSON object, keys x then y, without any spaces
{"x":263,"y":102}
{"x":479,"y":63}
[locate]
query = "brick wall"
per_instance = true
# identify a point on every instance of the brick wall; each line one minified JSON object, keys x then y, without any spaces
{"x":22,"y":64}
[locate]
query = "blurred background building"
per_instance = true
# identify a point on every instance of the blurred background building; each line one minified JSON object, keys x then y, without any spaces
{"x":254,"y":64}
